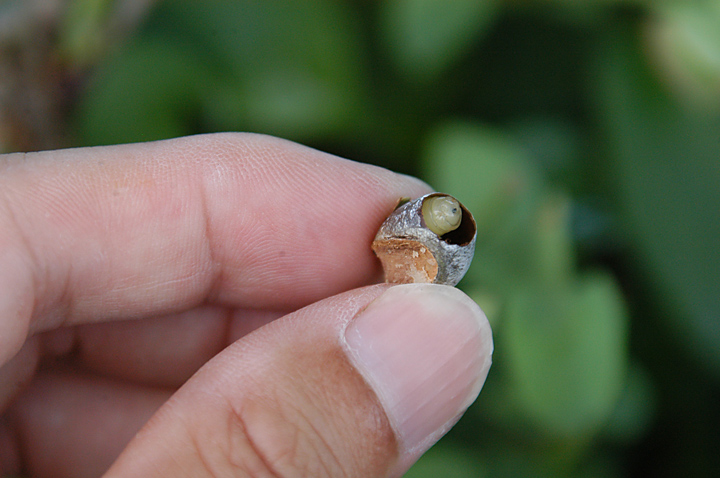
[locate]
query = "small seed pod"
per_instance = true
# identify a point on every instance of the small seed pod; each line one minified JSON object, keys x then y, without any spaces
{"x":430,"y":239}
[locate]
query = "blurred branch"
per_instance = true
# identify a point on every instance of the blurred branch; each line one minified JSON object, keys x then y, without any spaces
{"x":38,"y":81}
{"x":29,"y":104}
{"x":88,"y":28}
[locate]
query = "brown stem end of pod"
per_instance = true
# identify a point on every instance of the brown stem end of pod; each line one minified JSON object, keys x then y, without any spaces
{"x":406,"y":261}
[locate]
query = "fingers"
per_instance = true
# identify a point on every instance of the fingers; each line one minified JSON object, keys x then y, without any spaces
{"x":340,"y":388}
{"x":113,"y":379}
{"x":15,"y":374}
{"x":149,"y":229}
{"x":165,"y":351}
{"x":160,"y":352}
{"x":73,"y":425}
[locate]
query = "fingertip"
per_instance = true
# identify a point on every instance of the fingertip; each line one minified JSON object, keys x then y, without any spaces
{"x":417,"y":185}
{"x":426,"y":350}
{"x":16,"y":302}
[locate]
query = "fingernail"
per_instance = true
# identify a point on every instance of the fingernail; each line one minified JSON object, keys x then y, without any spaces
{"x":425,"y":349}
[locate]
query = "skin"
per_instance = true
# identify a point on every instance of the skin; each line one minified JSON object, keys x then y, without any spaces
{"x":134,"y":276}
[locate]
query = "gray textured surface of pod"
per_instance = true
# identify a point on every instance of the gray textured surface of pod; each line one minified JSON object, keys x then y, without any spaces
{"x":406,"y":227}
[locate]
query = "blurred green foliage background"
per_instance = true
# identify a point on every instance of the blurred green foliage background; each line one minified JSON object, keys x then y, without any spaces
{"x":584,"y":135}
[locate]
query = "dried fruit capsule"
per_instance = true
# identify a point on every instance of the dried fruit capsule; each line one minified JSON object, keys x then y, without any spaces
{"x":430,"y":239}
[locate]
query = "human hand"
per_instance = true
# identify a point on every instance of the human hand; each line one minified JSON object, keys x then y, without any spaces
{"x":200,"y":240}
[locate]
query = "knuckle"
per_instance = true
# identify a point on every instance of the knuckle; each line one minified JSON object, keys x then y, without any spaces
{"x":265,"y":440}
{"x":278,"y":440}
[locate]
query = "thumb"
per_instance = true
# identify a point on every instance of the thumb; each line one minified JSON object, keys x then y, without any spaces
{"x":360,"y":384}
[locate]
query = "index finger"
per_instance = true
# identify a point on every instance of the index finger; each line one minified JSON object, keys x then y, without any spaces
{"x":143,"y":229}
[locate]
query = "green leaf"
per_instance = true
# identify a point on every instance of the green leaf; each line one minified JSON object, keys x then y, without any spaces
{"x":283,"y":103}
{"x":667,"y":174}
{"x":553,"y":249}
{"x":635,"y":409}
{"x":292,"y":69}
{"x":289,"y":69}
{"x":565,"y":353}
{"x":492,"y":176}
{"x":426,"y":36}
{"x":684,"y":39}
{"x":147,"y":92}
{"x":483,"y":168}
{"x":82,"y":35}
{"x":447,"y":462}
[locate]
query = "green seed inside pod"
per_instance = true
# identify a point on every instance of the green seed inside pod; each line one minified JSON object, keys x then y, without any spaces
{"x":441,"y":214}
